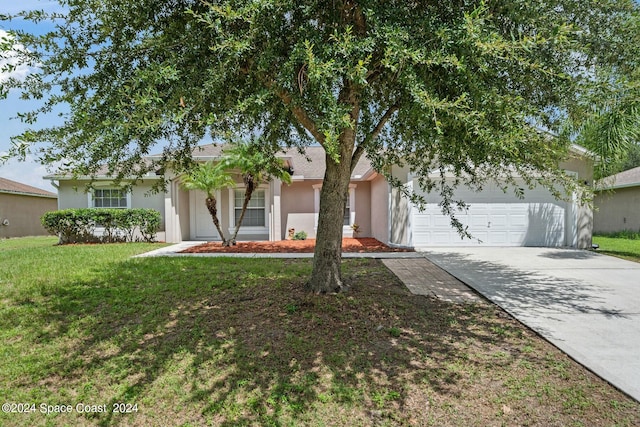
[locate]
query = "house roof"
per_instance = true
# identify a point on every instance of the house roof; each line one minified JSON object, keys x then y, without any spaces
{"x":13,"y":187}
{"x":628,"y":178}
{"x":310,"y":165}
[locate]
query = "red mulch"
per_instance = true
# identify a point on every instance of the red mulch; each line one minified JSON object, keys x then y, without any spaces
{"x":365,"y":244}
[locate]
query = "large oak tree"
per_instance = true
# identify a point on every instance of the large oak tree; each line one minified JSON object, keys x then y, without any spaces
{"x":459,"y":86}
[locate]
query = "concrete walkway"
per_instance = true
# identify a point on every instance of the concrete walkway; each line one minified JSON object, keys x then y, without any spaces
{"x":422,"y":277}
{"x":587,"y":304}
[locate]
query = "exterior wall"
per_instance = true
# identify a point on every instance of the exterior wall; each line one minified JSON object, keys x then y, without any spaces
{"x":400,"y":211}
{"x":582,"y":165}
{"x":23,"y":214}
{"x":380,"y":209}
{"x":298,"y":208}
{"x":617,"y":210}
{"x":72,"y":195}
{"x":583,"y":214}
{"x":363,"y":208}
{"x":183,"y":213}
{"x":142,"y":198}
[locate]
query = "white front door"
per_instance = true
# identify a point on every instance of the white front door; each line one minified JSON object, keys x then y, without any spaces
{"x":202,"y":227}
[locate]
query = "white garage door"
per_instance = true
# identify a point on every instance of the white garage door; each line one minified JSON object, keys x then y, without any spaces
{"x":494,"y":219}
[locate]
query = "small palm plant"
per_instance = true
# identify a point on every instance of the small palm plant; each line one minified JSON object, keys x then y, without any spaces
{"x":256,"y":164}
{"x":209,"y":177}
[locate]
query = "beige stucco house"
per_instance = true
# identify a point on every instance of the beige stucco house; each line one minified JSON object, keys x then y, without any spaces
{"x":617,"y":203}
{"x":372,"y":205}
{"x":21,"y":207}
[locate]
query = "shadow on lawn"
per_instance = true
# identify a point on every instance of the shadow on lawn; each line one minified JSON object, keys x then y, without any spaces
{"x":208,"y":342}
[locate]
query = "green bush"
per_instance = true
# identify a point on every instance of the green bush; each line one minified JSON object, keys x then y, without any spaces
{"x":300,"y":235}
{"x":119,"y":225}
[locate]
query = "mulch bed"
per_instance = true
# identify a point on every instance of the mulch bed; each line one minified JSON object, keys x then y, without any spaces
{"x":363,"y":245}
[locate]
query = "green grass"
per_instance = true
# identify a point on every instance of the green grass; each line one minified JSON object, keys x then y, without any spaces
{"x":624,"y":245}
{"x":195,"y":341}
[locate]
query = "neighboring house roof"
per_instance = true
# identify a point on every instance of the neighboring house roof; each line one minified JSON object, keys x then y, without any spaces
{"x":12,"y":187}
{"x":628,"y":178}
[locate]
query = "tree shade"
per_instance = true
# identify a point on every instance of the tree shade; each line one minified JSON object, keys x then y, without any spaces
{"x":470,"y":88}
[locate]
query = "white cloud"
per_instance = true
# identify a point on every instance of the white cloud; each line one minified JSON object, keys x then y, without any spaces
{"x":29,"y":172}
{"x":11,"y":57}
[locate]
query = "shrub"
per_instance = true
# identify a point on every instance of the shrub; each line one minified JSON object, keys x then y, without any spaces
{"x":118,"y":225}
{"x":300,"y":235}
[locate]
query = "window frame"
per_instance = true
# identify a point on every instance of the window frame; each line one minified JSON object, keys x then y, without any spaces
{"x":248,"y":229}
{"x":91,"y":198}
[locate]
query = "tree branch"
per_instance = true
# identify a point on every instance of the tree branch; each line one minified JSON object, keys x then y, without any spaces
{"x":300,"y":114}
{"x":373,"y":135}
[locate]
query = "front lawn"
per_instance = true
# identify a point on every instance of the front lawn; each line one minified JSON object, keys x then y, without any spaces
{"x":625,"y":246}
{"x":228,"y":342}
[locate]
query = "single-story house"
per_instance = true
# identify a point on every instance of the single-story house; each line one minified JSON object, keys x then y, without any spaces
{"x":497,"y":219}
{"x":21,"y":207}
{"x":617,"y":203}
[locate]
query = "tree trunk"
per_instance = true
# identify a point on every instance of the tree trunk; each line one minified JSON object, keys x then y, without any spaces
{"x":326,"y":276}
{"x":213,"y":211}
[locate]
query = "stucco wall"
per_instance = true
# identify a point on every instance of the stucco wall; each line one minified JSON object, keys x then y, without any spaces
{"x":72,"y":194}
{"x":363,"y":208}
{"x":400,"y":211}
{"x":617,"y":211}
{"x":23,"y":214}
{"x":380,"y":209}
{"x":298,"y":207}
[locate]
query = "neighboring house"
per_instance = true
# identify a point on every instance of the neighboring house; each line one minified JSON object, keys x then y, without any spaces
{"x":617,"y":203}
{"x":378,"y":210}
{"x":21,"y":207}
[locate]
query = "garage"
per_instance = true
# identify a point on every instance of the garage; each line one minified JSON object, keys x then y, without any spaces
{"x":496,"y":218}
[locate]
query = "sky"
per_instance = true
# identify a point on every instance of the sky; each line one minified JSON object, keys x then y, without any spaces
{"x":29,"y":172}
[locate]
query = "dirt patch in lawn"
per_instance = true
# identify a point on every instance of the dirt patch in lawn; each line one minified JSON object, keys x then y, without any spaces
{"x":363,"y":245}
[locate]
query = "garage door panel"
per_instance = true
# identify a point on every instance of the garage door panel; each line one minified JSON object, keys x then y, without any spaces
{"x":499,"y":220}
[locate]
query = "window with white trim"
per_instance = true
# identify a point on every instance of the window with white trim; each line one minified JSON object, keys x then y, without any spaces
{"x":347,"y":210}
{"x":109,"y":198}
{"x":255,"y":216}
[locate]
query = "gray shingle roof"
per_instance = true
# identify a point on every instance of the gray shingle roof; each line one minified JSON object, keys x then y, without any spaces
{"x":9,"y":186}
{"x":310,"y":165}
{"x":628,"y":178}
{"x":313,"y":169}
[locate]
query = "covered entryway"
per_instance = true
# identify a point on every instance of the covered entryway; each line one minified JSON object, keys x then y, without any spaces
{"x":496,"y":218}
{"x":201,"y":224}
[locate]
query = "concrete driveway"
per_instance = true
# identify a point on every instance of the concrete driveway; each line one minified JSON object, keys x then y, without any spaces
{"x":587,"y":304}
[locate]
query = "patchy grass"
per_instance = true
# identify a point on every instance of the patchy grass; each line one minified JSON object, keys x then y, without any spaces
{"x":625,"y":246}
{"x":228,"y":341}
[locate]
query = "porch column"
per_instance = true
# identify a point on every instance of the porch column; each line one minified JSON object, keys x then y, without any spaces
{"x":171,"y":223}
{"x":275,"y":226}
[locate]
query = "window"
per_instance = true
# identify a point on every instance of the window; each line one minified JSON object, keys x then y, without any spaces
{"x":347,"y":211}
{"x":109,"y":198}
{"x":256,"y":213}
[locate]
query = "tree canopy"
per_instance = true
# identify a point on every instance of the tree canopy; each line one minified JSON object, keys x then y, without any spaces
{"x":460,"y":86}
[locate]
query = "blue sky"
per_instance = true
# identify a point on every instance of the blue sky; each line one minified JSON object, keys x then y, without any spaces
{"x":29,"y":172}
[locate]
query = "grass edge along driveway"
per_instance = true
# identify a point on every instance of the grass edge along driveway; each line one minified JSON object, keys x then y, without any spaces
{"x":222,"y":341}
